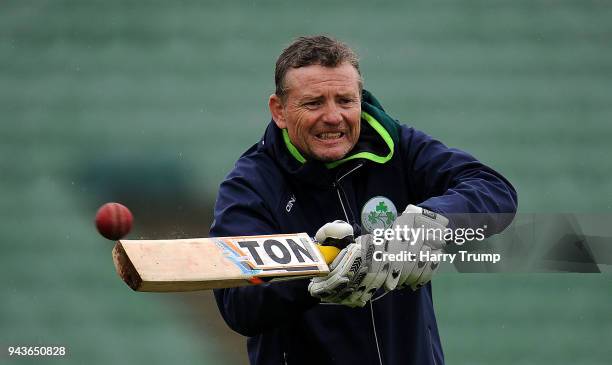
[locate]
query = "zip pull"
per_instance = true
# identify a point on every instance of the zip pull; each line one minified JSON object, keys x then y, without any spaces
{"x":349,"y":172}
{"x":342,"y":205}
{"x":339,"y":191}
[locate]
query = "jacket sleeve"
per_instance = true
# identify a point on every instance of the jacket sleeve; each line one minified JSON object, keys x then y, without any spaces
{"x":455,"y":184}
{"x":250,"y":310}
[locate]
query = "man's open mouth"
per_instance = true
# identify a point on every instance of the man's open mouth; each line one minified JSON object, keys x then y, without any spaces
{"x":330,"y":135}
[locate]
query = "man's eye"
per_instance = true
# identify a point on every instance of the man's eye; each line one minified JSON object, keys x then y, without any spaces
{"x":312,"y":103}
{"x":346,"y":101}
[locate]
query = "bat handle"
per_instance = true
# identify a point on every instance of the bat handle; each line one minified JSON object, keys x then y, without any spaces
{"x":329,"y":253}
{"x":331,"y":247}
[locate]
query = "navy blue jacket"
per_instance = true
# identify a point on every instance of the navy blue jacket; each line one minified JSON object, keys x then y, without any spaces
{"x":273,"y":189}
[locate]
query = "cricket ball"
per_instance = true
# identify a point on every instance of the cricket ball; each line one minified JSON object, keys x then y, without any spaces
{"x":113,"y":221}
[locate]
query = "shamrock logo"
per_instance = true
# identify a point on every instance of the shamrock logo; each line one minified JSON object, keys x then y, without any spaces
{"x":381,"y":215}
{"x":378,"y":212}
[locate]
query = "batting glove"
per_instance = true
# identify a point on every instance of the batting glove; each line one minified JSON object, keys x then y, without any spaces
{"x":347,"y":271}
{"x":425,"y":238}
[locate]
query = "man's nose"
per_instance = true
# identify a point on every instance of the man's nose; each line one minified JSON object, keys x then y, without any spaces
{"x":332,"y":113}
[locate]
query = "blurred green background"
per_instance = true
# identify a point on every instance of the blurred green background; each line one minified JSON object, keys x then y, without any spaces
{"x":150,"y":103}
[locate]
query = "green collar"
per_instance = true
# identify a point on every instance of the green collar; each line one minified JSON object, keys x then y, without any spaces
{"x":384,"y":134}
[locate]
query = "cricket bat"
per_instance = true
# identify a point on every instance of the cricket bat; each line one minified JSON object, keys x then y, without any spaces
{"x":220,"y":262}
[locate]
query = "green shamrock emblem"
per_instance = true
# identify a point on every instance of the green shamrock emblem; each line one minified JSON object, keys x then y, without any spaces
{"x":381,"y":215}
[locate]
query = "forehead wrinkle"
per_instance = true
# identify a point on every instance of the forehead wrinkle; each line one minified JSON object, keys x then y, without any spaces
{"x":344,"y":84}
{"x":310,"y":76}
{"x":315,"y":80}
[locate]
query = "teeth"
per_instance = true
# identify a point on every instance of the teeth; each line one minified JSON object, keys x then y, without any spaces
{"x":330,"y":135}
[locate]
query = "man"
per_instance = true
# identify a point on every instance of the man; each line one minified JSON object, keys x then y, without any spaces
{"x":332,"y":153}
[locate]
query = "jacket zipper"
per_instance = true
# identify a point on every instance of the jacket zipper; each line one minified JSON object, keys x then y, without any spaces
{"x":349,"y":171}
{"x":341,"y":192}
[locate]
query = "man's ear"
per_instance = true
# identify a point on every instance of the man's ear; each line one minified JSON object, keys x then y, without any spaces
{"x":277,"y":110}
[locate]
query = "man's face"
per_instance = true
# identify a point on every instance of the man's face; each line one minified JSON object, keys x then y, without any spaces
{"x":322,"y":110}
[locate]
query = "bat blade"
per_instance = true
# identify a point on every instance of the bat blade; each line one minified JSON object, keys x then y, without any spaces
{"x":221,"y":262}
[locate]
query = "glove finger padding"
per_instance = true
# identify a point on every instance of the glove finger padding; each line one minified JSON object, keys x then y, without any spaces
{"x":412,"y":268}
{"x":337,"y":233}
{"x":433,"y":230}
{"x":412,"y":246}
{"x":396,"y":247}
{"x":373,"y":279}
{"x":430,"y":269}
{"x":425,"y":236}
{"x":347,"y":270}
{"x":419,"y":268}
{"x":431,"y":248}
{"x":332,"y":237}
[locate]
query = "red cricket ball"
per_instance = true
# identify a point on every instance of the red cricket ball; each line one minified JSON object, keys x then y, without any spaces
{"x":113,"y":221}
